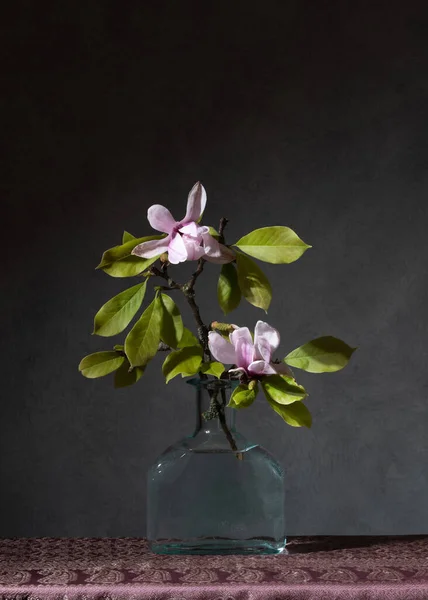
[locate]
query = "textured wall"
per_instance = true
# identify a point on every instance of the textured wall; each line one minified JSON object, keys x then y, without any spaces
{"x":309,"y":114}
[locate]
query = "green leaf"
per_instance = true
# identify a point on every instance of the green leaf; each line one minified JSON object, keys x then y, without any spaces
{"x":127,"y":237}
{"x":119,"y":347}
{"x":243,"y":396}
{"x":119,"y":262}
{"x":117,"y":313}
{"x":254,"y":284}
{"x":228,"y":291}
{"x":125,"y":377}
{"x":142,"y":341}
{"x":322,"y":355}
{"x":282,"y":389}
{"x":172,"y":323}
{"x":212,"y":368}
{"x":186,"y":360}
{"x":100,"y":364}
{"x":275,"y":245}
{"x":188,"y":339}
{"x":296,"y":414}
{"x":214,"y":232}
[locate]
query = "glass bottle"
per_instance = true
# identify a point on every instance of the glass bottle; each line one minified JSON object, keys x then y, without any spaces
{"x":214,"y":492}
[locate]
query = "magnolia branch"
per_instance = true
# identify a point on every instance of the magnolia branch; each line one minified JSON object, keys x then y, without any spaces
{"x":188,"y":290}
{"x":189,"y":293}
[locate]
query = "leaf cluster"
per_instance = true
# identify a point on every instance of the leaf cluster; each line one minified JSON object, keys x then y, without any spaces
{"x":159,"y":327}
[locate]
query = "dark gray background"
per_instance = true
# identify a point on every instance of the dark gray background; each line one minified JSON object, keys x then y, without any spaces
{"x":308,"y":114}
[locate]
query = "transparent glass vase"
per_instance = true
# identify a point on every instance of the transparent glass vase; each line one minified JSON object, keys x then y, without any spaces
{"x":215,"y":492}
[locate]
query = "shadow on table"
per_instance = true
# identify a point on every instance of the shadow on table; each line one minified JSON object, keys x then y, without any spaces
{"x":329,"y":543}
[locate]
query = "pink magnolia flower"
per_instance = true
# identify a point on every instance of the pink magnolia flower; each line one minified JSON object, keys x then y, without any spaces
{"x":185,"y":239}
{"x":252,"y":358}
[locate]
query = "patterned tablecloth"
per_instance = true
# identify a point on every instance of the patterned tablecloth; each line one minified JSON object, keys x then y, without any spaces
{"x":123,"y":568}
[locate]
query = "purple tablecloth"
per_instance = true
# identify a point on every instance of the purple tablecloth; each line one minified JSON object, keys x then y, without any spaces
{"x":123,"y":568}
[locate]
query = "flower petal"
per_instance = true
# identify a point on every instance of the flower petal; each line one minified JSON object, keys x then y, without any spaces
{"x":190,"y":229}
{"x":241,"y":333}
{"x":221,"y":349}
{"x":160,"y":218}
{"x":260,"y":367}
{"x":236,"y":371}
{"x":244,"y":353}
{"x":193,"y":247}
{"x":266,"y":340}
{"x":151,"y":248}
{"x":177,"y":251}
{"x":216,"y":252}
{"x":244,"y":347}
{"x":195,"y":203}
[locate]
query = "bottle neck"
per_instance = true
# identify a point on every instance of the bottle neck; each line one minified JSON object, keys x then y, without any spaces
{"x":212,"y":413}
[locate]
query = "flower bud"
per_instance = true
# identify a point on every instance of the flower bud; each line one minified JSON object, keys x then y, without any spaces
{"x":223,"y":328}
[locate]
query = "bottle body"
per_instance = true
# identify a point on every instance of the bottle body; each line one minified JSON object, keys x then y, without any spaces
{"x":214,"y":492}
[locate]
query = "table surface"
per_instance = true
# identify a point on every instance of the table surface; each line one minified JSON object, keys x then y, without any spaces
{"x":123,"y":568}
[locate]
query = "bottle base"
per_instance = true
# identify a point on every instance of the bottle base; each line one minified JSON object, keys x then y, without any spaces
{"x":217,"y":546}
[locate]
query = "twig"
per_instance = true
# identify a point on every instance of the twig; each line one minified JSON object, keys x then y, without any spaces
{"x":163,"y":273}
{"x":202,"y":328}
{"x":221,"y":228}
{"x":191,"y":283}
{"x":226,"y":430}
